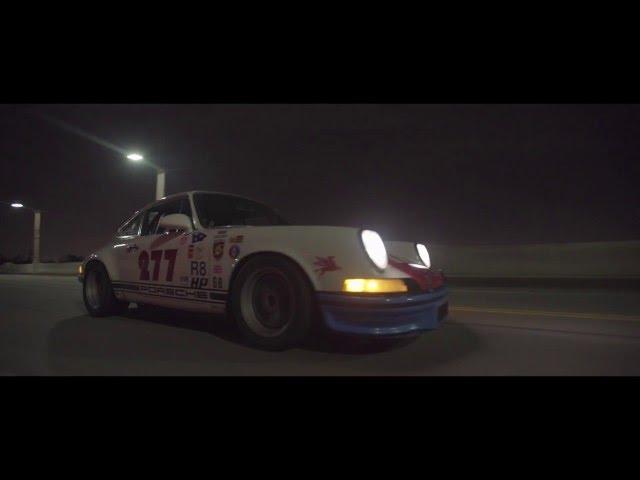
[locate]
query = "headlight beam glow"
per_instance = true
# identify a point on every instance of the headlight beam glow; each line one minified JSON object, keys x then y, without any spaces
{"x":423,"y":254}
{"x":374,"y":246}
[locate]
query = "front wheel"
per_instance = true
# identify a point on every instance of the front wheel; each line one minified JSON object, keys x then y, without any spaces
{"x":98,"y":294}
{"x":272,"y":302}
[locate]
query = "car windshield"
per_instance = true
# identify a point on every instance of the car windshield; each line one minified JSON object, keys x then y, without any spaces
{"x":224,"y":210}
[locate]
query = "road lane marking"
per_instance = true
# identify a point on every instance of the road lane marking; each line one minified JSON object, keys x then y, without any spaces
{"x":545,"y":313}
{"x":538,"y":291}
{"x":543,"y":329}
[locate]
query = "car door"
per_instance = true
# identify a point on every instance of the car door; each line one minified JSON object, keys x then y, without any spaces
{"x":124,"y":245}
{"x":156,"y":258}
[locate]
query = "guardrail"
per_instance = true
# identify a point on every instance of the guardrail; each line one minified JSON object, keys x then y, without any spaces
{"x":67,"y":268}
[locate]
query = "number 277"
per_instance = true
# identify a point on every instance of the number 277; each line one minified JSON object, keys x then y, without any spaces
{"x":156,"y":257}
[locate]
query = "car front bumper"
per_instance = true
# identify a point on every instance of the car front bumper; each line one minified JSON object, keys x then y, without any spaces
{"x":388,"y":315}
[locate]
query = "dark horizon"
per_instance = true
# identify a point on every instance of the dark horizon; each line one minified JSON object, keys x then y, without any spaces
{"x":441,"y":174}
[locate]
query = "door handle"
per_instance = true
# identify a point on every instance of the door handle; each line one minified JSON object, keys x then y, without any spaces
{"x":132,"y":247}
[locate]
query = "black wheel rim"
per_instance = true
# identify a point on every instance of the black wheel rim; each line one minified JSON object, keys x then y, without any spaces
{"x":267,"y":302}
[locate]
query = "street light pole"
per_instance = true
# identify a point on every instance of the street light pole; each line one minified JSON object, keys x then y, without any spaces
{"x":160,"y":173}
{"x":37,"y":216}
{"x":36,"y":236}
{"x":160,"y":183}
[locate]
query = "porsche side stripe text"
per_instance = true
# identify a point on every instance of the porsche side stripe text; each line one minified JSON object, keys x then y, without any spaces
{"x":173,"y":292}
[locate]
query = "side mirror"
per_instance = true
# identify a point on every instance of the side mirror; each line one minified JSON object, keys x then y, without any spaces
{"x":175,"y":222}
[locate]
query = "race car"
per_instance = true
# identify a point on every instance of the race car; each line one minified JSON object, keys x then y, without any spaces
{"x":221,"y":253}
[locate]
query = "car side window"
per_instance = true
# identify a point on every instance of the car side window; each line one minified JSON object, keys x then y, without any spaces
{"x":153,"y":215}
{"x":216,"y":210}
{"x":131,"y":227}
{"x":185,"y":207}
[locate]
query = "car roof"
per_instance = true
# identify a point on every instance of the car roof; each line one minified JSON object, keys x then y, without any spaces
{"x":191,"y":192}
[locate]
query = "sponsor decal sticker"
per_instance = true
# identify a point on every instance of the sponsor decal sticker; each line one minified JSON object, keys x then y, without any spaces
{"x":195,"y":251}
{"x":236,"y":239}
{"x":216,"y":282}
{"x":199,"y":282}
{"x":221,"y":234}
{"x":217,"y":269}
{"x":234,"y":251}
{"x":198,"y":237}
{"x":218,"y":249}
{"x":325,"y":264}
{"x":198,"y":273}
{"x":175,"y":292}
{"x":199,"y":268}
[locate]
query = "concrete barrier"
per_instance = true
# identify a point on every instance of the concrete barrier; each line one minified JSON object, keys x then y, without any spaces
{"x":69,"y":268}
{"x":616,"y":263}
{"x":610,"y":261}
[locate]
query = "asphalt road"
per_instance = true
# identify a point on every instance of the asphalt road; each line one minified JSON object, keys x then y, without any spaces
{"x":44,"y":330}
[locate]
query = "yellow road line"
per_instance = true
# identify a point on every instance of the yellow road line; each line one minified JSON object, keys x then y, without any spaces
{"x":544,"y":313}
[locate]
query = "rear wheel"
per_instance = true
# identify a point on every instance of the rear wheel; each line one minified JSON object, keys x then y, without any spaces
{"x":98,"y":294}
{"x":272,"y":302}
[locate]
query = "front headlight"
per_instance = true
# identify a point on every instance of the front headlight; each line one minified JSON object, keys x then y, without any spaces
{"x":374,"y":246}
{"x":423,"y":254}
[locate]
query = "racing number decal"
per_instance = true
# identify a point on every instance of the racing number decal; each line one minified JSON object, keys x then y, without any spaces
{"x":156,"y":255}
{"x":170,"y":255}
{"x":143,"y":264}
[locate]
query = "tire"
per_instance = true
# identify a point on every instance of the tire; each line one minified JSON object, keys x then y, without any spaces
{"x":97,"y":293}
{"x":272,"y":302}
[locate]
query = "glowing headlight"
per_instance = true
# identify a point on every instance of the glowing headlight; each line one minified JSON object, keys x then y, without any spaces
{"x":374,"y":246}
{"x":423,"y":254}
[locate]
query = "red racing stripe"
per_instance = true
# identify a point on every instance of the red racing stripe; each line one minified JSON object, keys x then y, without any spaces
{"x":426,"y":279}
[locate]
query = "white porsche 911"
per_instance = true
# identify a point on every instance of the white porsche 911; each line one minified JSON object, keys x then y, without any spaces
{"x":214,"y":252}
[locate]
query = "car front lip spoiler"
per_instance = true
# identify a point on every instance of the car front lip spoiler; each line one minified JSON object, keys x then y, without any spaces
{"x":383,"y":315}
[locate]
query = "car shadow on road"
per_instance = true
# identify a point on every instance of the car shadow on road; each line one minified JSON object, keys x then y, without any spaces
{"x":223,"y":327}
{"x":218,"y":325}
{"x":135,"y":343}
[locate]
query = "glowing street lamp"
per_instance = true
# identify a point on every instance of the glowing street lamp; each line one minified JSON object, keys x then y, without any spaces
{"x":135,"y":157}
{"x":36,"y":229}
{"x":160,"y":173}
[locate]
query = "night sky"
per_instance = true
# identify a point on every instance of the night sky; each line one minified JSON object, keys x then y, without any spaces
{"x":442,"y":174}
